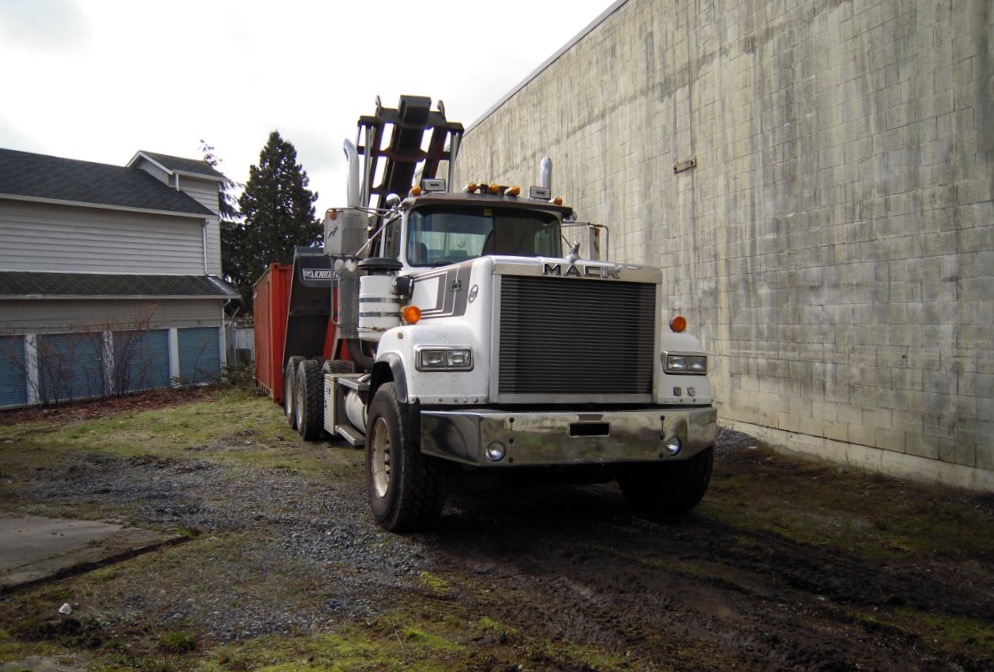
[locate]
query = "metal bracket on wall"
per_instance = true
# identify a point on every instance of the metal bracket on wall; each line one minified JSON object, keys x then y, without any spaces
{"x":685,"y":165}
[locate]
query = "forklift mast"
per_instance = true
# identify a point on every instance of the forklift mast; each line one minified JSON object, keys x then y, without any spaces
{"x":390,"y":143}
{"x":395,"y":163}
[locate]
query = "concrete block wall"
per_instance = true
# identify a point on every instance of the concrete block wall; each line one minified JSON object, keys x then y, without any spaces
{"x":834,"y":245}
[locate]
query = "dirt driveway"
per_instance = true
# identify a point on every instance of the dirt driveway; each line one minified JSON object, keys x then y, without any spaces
{"x":787,"y":564}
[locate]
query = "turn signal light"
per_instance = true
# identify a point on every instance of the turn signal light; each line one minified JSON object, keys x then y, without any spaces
{"x":678,"y":323}
{"x":411,"y":314}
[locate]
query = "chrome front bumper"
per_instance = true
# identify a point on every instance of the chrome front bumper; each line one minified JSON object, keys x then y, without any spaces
{"x":545,"y":438}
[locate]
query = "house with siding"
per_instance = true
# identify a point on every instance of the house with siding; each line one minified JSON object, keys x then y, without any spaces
{"x":109,"y":276}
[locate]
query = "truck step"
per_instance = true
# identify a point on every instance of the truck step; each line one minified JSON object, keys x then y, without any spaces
{"x":351,"y":435}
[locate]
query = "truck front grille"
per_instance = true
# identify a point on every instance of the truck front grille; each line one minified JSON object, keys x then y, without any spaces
{"x":576,"y":337}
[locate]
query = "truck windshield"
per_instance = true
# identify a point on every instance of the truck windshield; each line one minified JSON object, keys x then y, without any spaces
{"x":446,"y":235}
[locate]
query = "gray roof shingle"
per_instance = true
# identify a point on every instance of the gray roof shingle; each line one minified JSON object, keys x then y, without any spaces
{"x":24,"y":285}
{"x":50,"y":177}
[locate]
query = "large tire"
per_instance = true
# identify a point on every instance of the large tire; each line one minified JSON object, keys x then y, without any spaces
{"x":290,"y":390}
{"x":337,"y":366}
{"x":309,"y":400}
{"x":406,"y":489}
{"x":667,"y":488}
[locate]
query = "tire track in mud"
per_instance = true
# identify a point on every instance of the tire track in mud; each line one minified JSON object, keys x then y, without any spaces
{"x":691,"y":593}
{"x":850,"y":579}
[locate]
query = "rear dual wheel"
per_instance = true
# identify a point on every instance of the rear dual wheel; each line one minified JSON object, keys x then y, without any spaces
{"x":309,"y":399}
{"x":338,"y":366}
{"x":290,"y":390}
{"x":303,"y":390}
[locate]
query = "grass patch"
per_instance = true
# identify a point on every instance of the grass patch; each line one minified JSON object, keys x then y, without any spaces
{"x":384,"y":644}
{"x":435,"y":585}
{"x":228,"y":424}
{"x":500,"y":631}
{"x":178,"y":642}
{"x":817,"y":503}
{"x":953,"y":635}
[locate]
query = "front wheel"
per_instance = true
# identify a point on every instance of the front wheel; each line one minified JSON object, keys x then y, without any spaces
{"x":406,"y":489}
{"x":667,"y":488}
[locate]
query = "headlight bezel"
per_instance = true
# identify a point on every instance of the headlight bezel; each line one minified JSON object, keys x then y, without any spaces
{"x":685,"y":363}
{"x":429,"y":358}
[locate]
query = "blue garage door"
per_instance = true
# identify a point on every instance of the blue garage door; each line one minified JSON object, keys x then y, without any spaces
{"x":70,"y":366}
{"x":141,"y":360}
{"x":13,"y":391}
{"x":199,"y":354}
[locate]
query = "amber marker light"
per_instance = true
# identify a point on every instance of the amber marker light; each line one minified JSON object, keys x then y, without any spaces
{"x":415,"y":191}
{"x":678,"y":323}
{"x":331,"y":214}
{"x":514,"y":191}
{"x":494,"y":189}
{"x":411,"y":314}
{"x":472,"y":187}
{"x":558,"y":200}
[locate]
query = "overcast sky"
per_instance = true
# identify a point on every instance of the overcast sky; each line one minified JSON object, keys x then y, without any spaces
{"x":98,"y":80}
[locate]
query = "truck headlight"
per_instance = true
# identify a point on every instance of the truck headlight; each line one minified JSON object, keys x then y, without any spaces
{"x":444,"y":359}
{"x":695,"y":365}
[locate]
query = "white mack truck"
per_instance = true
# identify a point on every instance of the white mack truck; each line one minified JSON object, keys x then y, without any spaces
{"x":451,"y":332}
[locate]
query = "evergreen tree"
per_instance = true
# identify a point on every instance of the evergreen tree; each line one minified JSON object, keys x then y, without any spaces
{"x":278,"y":211}
{"x":230,"y":224}
{"x":228,"y":205}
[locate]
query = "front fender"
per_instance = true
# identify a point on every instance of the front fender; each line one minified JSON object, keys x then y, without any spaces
{"x":386,"y":368}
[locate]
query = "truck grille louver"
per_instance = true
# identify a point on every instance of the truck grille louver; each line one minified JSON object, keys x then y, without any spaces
{"x":576,"y":337}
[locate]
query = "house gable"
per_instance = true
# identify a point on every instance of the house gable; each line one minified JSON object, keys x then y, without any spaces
{"x":195,"y":178}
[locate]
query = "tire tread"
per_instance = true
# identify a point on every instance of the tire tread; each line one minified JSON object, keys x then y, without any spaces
{"x":419,"y":494}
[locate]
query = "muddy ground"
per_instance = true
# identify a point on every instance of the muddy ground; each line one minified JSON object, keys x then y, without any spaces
{"x":788,"y":564}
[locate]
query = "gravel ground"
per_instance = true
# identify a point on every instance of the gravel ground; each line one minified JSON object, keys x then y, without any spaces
{"x":291,"y":528}
{"x":294,"y":528}
{"x":274,"y":551}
